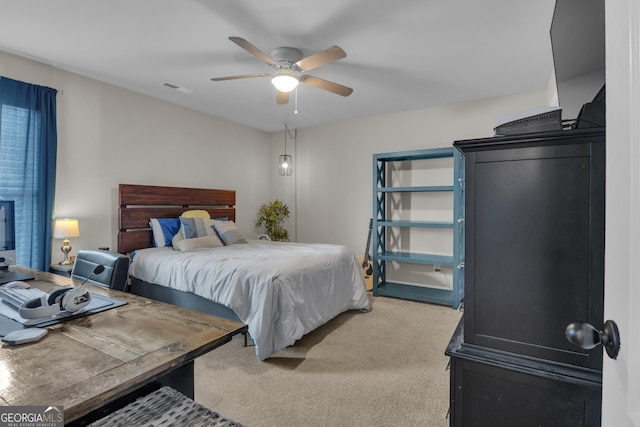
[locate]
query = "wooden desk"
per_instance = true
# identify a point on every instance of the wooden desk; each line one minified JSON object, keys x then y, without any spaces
{"x":109,"y":358}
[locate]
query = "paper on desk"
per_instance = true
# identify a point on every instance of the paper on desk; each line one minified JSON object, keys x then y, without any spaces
{"x":98,"y":303}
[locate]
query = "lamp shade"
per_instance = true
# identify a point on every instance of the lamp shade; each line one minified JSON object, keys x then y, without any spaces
{"x":284,"y":165}
{"x":66,"y":228}
{"x":285,"y":81}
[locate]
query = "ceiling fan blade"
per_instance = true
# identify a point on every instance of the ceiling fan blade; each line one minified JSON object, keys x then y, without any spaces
{"x":244,"y":76}
{"x":282,"y":98}
{"x":253,"y":50}
{"x":327,"y":85}
{"x":320,"y":58}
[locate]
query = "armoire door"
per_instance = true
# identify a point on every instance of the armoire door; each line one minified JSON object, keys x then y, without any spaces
{"x":535,"y":244}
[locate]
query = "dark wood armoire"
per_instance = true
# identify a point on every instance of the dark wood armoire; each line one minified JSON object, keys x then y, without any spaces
{"x":533,"y":263}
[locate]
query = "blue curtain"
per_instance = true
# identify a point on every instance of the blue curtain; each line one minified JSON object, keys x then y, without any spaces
{"x":28,"y":147}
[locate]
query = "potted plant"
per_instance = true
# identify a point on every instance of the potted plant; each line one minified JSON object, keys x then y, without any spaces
{"x":271,"y":216}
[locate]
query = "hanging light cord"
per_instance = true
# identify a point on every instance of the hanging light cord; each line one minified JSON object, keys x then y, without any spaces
{"x":288,"y":131}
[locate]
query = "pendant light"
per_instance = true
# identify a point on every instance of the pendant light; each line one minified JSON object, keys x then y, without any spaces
{"x":285,"y":161}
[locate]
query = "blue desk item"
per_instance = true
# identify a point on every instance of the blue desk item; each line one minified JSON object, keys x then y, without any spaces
{"x":8,"y":325}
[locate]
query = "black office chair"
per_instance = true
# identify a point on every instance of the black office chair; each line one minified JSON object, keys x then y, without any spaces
{"x":116,"y":269}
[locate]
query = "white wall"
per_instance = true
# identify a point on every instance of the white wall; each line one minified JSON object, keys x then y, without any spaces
{"x":576,"y":92}
{"x":108,"y":136}
{"x":331,"y":188}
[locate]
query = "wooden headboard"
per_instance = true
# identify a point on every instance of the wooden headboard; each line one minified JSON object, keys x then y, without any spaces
{"x":139,"y":203}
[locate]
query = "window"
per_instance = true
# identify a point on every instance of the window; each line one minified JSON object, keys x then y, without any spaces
{"x":18,"y":175}
{"x":28,"y":144}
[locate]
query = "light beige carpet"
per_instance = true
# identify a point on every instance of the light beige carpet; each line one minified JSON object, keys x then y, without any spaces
{"x":385,"y":367}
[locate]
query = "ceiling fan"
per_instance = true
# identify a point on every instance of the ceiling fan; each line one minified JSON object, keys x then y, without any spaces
{"x":290,"y":69}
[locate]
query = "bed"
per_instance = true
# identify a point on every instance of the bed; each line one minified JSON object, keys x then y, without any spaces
{"x":280,"y":290}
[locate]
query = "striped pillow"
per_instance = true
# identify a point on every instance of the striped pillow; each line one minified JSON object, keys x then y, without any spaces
{"x":229,"y":233}
{"x":197,"y":227}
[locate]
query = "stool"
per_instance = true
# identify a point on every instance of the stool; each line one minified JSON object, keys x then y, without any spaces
{"x":163,"y":408}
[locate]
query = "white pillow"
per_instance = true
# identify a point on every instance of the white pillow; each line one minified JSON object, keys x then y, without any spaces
{"x":199,"y":242}
{"x":229,"y":233}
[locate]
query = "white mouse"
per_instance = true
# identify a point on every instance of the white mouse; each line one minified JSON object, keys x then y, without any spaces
{"x":16,"y":284}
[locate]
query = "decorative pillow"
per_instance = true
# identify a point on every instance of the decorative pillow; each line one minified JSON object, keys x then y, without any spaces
{"x":163,"y":230}
{"x":194,"y":213}
{"x":197,"y":227}
{"x":177,"y":239}
{"x":229,"y":233}
{"x":199,"y":242}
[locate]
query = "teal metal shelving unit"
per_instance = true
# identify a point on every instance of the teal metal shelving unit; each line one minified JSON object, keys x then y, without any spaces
{"x":383,"y":287}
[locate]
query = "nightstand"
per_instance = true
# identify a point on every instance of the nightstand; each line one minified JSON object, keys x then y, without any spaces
{"x":61,"y":270}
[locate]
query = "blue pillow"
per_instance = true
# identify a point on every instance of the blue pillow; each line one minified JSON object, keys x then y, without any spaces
{"x":163,"y":230}
{"x":224,"y":218}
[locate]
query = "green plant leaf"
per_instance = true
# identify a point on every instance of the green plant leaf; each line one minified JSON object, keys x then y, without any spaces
{"x":270,"y":218}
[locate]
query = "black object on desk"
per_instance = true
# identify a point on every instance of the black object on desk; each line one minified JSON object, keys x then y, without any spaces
{"x":7,"y":276}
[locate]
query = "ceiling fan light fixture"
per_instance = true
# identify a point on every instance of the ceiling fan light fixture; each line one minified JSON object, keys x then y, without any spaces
{"x":290,"y":67}
{"x":285,"y":81}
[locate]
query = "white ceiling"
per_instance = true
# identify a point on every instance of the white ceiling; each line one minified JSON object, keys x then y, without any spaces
{"x":402,"y":55}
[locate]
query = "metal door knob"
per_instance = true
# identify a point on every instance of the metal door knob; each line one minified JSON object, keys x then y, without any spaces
{"x":586,"y":336}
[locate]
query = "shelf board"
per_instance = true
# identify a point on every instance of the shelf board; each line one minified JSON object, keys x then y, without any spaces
{"x":420,"y":224}
{"x":420,"y":189}
{"x":416,"y":293}
{"x":432,"y":153}
{"x":416,"y":258}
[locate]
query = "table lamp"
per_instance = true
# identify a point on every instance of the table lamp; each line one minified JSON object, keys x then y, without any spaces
{"x":63,"y":229}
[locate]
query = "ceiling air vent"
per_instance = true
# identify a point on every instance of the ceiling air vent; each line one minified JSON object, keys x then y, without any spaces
{"x":177,"y":87}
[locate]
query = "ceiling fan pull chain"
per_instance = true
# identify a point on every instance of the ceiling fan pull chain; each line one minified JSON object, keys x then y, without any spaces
{"x":296,"y":101}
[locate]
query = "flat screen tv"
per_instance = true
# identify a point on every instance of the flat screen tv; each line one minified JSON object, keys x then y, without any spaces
{"x":578,"y":43}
